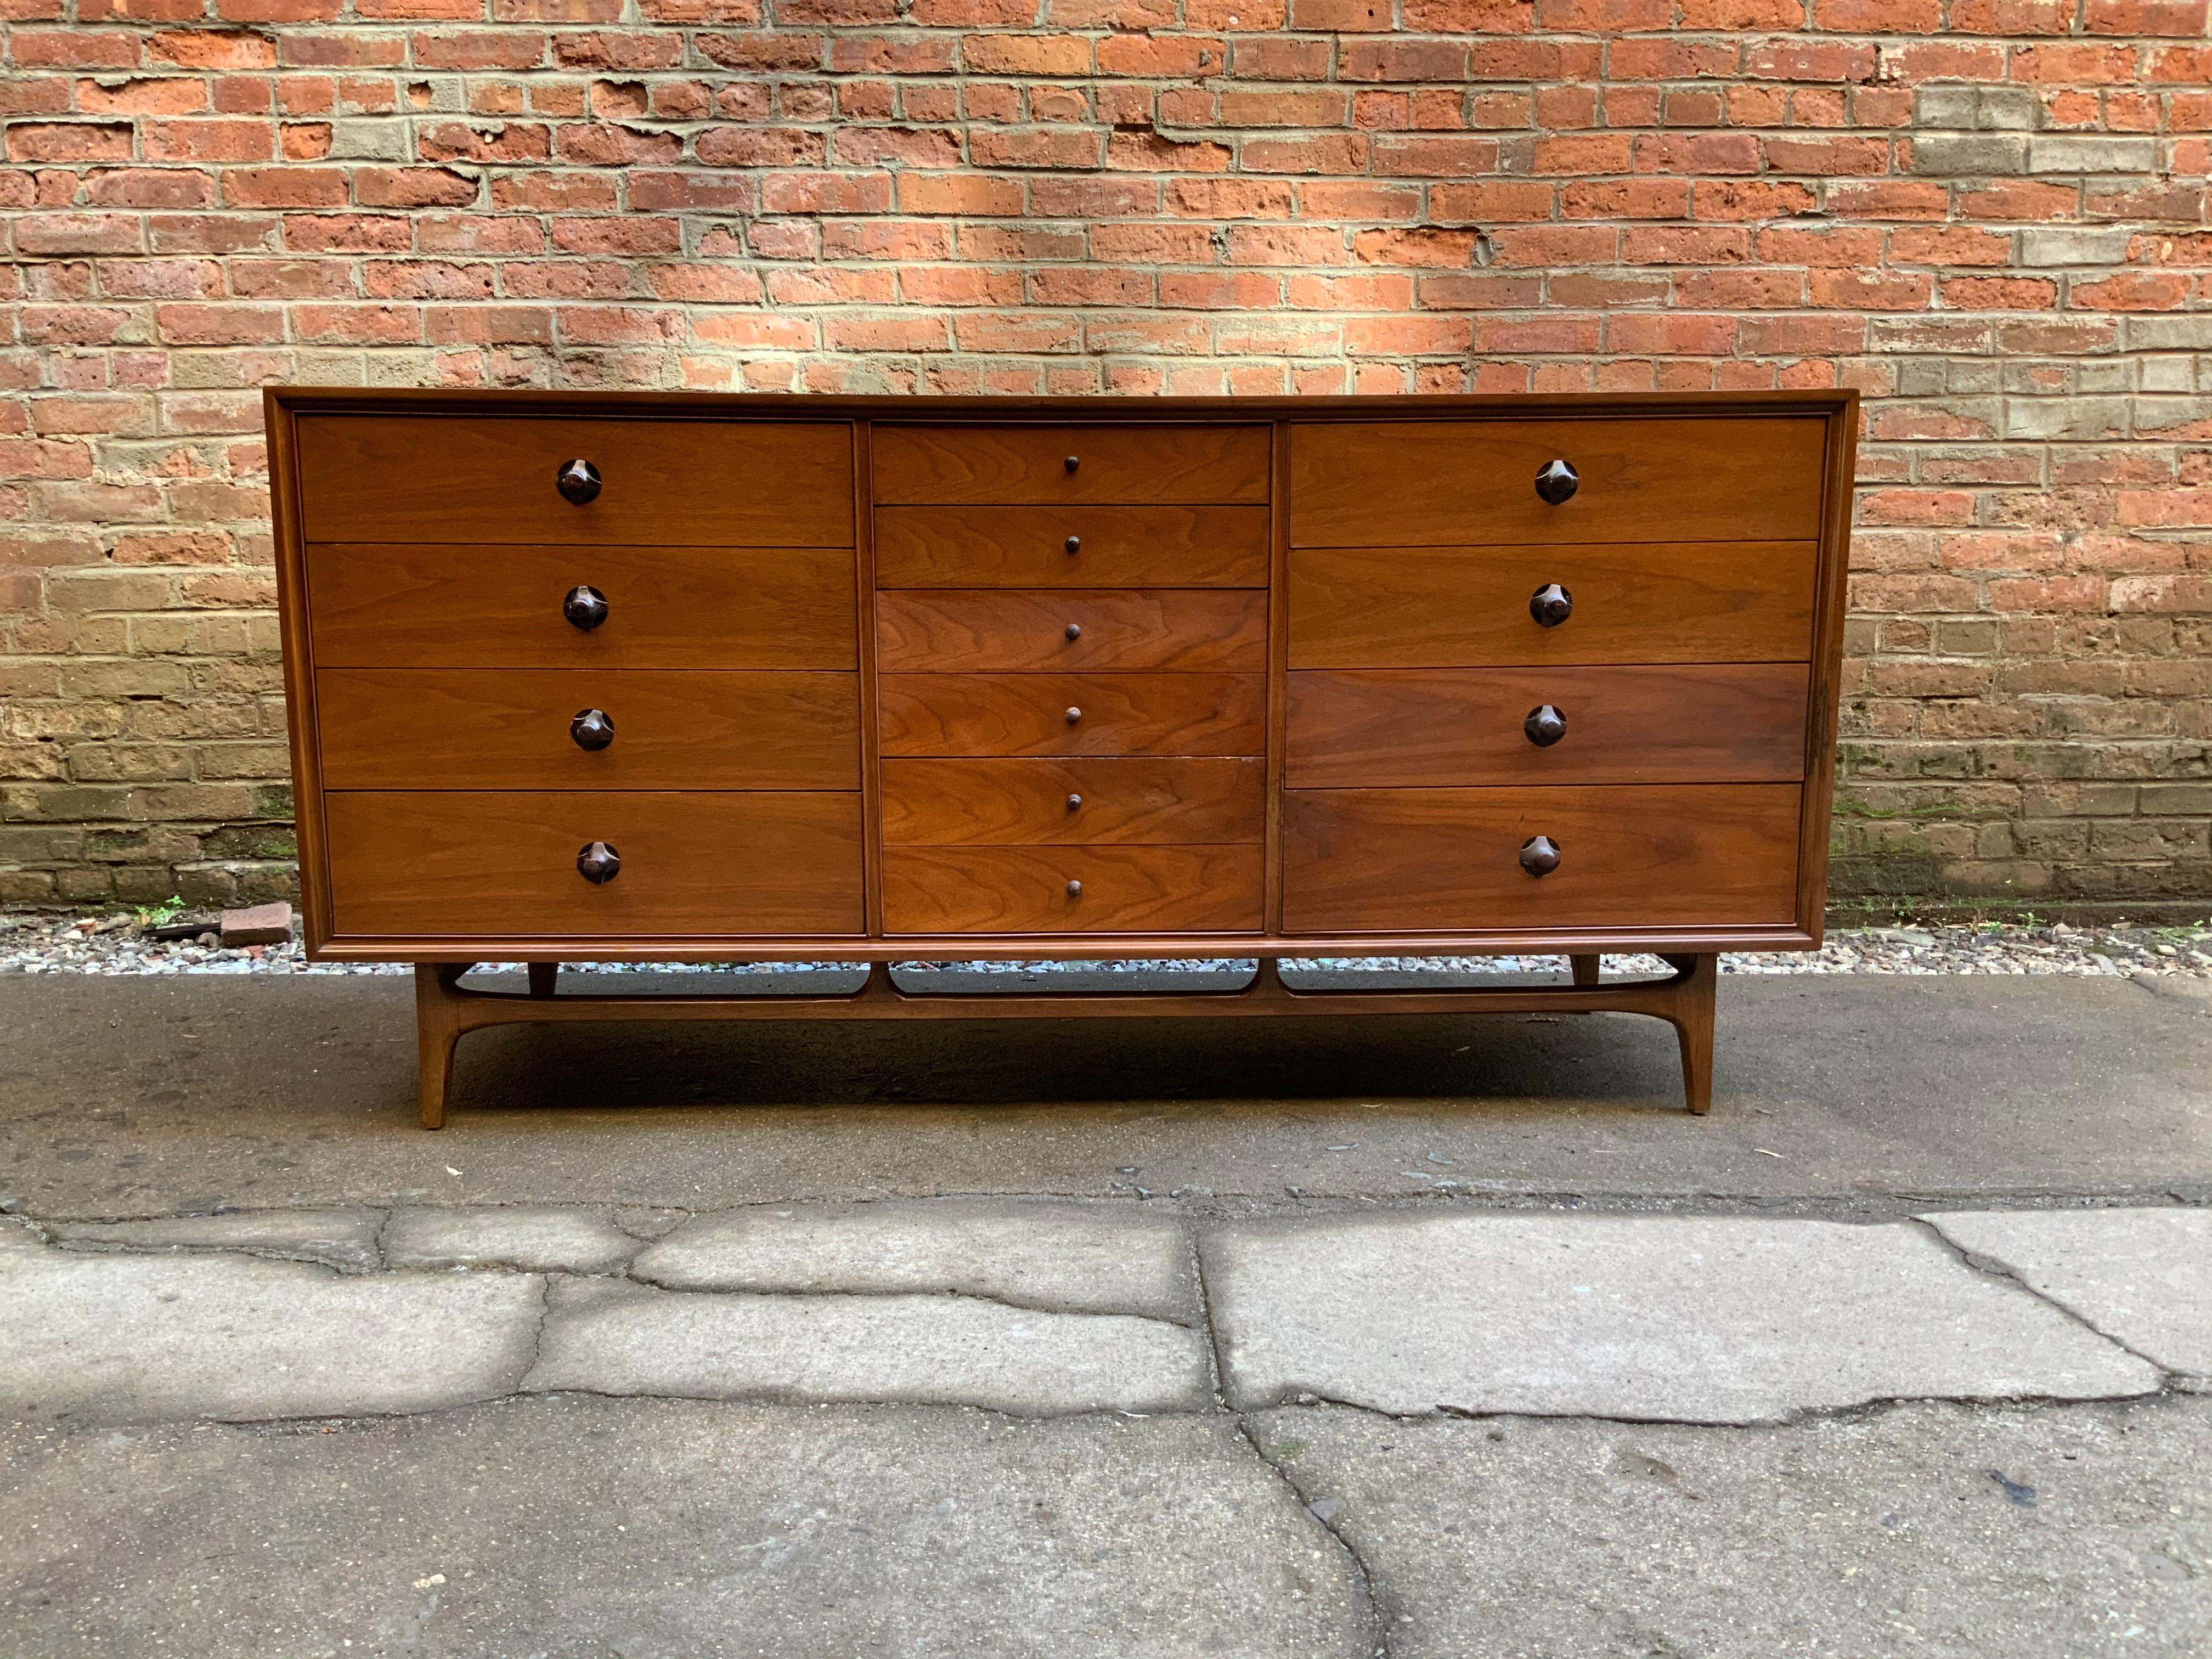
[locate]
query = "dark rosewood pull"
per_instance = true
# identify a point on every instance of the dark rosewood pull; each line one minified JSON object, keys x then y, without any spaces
{"x":1071,"y":462}
{"x":585,"y":607}
{"x":1073,"y":802}
{"x":591,"y":729}
{"x":1544,"y":725}
{"x":1558,"y":482}
{"x":1551,"y":605}
{"x":598,"y":863}
{"x":1539,"y":855}
{"x":1075,"y":630}
{"x":1073,"y":544}
{"x":577,"y":481}
{"x":1073,"y":716}
{"x":1075,"y":890}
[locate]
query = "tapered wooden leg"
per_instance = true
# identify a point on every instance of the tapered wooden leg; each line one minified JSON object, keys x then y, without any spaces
{"x":543,"y":974}
{"x":1586,"y":969}
{"x":1693,"y":1021}
{"x":437,"y":1031}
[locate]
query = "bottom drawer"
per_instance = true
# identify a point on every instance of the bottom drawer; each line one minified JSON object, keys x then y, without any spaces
{"x":1116,"y":890}
{"x":1636,"y":856}
{"x":456,"y":863}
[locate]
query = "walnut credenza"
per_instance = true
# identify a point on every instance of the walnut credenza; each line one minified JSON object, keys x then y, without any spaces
{"x":672,"y":677}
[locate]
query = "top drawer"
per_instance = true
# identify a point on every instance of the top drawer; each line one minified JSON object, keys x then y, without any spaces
{"x":1472,"y":483}
{"x":1026,"y":465}
{"x":477,"y":479}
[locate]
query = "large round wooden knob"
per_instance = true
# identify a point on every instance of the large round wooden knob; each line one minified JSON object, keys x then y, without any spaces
{"x":1551,"y":605}
{"x":1544,"y":725}
{"x":585,"y":608}
{"x":1075,"y":890}
{"x":591,"y":729}
{"x":1539,"y":855}
{"x":1071,"y":462}
{"x":1073,"y":544}
{"x":578,"y":481}
{"x":598,"y":863}
{"x":1074,"y":630}
{"x":1557,"y":482}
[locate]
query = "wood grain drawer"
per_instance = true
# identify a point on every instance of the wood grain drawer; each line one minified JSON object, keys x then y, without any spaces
{"x":965,"y":630}
{"x":1034,"y":801}
{"x":1031,"y":463}
{"x":432,"y":728}
{"x":948,"y":714}
{"x":1733,"y":723}
{"x":1025,"y":890}
{"x":1114,"y":547}
{"x":1392,"y":484}
{"x":1455,"y":607}
{"x":479,"y":478}
{"x":1367,"y":861}
{"x":497,"y":865}
{"x":383,"y":605}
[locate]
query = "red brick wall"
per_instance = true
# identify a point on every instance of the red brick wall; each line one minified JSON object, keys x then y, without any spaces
{"x":1990,"y":215}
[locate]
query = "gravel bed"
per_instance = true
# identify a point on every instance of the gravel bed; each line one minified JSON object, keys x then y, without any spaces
{"x":41,"y":943}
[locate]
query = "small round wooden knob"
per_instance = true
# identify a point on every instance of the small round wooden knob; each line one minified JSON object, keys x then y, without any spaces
{"x":1074,"y":630}
{"x":585,"y":607}
{"x":1073,"y":716}
{"x":1557,"y":482}
{"x":1073,"y":802}
{"x":578,"y":481}
{"x":1539,"y":855}
{"x":1075,"y":890}
{"x":1551,"y":605}
{"x":1071,"y":462}
{"x":592,"y":728}
{"x":1073,"y":544}
{"x":598,"y":863}
{"x":1544,"y":725}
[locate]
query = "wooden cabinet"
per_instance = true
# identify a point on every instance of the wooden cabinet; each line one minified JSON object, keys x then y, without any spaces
{"x":874,"y":678}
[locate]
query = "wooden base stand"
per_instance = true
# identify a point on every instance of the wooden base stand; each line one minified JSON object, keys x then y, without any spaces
{"x":444,"y":1009}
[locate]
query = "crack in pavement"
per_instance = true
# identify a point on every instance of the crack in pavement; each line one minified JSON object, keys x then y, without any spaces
{"x":1380,"y":1617}
{"x":645,"y":1282}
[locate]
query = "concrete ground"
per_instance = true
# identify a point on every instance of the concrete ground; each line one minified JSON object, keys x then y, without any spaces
{"x":1413,"y":1338}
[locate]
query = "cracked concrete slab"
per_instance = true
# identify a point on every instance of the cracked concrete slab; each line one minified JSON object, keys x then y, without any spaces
{"x":540,"y":1239}
{"x":345,"y":1239}
{"x":1125,"y":1257}
{"x":575,"y":1526}
{"x":1686,"y":1318}
{"x":2142,"y":1276}
{"x":1934,"y":1531}
{"x":607,"y":1336}
{"x":137,"y":1339}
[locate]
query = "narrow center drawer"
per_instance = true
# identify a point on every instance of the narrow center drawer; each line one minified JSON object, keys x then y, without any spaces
{"x":387,"y":606}
{"x":429,"y":728}
{"x":1121,"y":800}
{"x":1073,"y":890}
{"x":1073,"y":714}
{"x":499,"y":479}
{"x":1048,"y":463}
{"x":1071,"y":547}
{"x":966,"y":630}
{"x":445,"y":864}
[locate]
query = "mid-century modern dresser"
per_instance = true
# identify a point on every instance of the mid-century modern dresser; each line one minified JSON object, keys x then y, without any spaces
{"x":581,"y":677}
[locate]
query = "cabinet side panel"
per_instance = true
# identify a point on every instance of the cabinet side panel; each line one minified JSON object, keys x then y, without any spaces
{"x":295,"y":631}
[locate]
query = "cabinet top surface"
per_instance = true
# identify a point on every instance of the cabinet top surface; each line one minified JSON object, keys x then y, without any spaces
{"x":309,"y":400}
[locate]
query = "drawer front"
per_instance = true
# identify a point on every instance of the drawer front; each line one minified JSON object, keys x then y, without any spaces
{"x":1113,"y":546}
{"x":1470,"y":607}
{"x":1406,"y":483}
{"x":1733,"y":723}
{"x":381,"y":605}
{"x":970,"y":630}
{"x":1367,"y":861}
{"x":445,"y":864}
{"x":1117,"y":890}
{"x":475,"y":478}
{"x":1120,"y":800}
{"x":1073,"y":714}
{"x":433,"y":728}
{"x":1049,"y":464}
